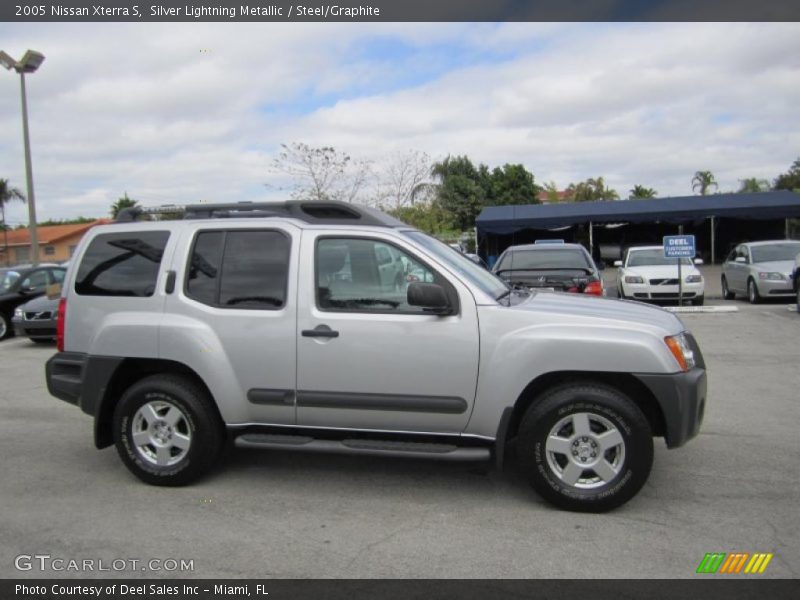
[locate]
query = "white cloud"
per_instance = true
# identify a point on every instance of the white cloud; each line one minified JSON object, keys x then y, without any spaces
{"x":183,"y":112}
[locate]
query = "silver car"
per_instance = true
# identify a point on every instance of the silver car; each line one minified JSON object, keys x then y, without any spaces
{"x":760,"y":270}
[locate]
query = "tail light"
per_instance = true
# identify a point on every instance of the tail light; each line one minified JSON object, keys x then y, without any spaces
{"x":61,"y":321}
{"x":595,"y":288}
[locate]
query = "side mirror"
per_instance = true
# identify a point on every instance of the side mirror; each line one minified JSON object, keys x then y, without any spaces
{"x":430,"y":297}
{"x":617,"y":263}
{"x":601,"y":265}
{"x":698,"y":261}
{"x":26,"y":291}
{"x":740,"y":259}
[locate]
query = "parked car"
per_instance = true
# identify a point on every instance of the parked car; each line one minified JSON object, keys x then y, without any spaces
{"x":646,"y":274}
{"x":175,"y":335}
{"x":556,"y":267}
{"x":759,"y":270}
{"x":36,"y":319}
{"x":22,"y":284}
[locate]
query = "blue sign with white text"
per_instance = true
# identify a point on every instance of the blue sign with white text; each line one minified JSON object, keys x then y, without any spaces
{"x":679,"y":246}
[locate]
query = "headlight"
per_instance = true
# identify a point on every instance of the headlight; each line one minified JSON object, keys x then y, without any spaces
{"x":679,"y":347}
{"x":771,"y":276}
{"x":633,"y":279}
{"x":18,"y":313}
{"x":694,"y":279}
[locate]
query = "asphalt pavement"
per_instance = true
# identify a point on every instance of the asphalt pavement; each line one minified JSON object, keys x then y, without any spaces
{"x":277,"y":514}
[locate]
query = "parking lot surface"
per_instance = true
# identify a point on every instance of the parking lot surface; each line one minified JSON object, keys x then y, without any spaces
{"x":279,"y":514}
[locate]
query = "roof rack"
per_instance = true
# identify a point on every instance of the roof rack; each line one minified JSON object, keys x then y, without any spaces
{"x":316,"y":212}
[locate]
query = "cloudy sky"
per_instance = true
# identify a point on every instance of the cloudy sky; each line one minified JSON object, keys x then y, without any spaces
{"x":196,"y":112}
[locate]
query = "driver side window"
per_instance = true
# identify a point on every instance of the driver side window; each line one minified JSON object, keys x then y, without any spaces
{"x":36,"y":281}
{"x":363,"y":275}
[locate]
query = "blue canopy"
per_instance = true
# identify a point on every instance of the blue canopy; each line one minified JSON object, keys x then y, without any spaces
{"x":765,"y":205}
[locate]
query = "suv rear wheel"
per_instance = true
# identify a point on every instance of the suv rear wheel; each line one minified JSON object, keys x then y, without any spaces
{"x":585,"y":447}
{"x":166,"y":430}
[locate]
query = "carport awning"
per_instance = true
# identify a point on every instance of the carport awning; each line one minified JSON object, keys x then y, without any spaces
{"x":766,"y":205}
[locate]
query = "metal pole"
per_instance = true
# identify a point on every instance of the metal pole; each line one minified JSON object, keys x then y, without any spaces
{"x":29,"y":175}
{"x":591,"y":240}
{"x":680,"y":274}
{"x":786,"y":227}
{"x":713,"y":255}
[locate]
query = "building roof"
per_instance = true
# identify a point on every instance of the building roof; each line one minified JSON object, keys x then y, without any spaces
{"x":48,"y":234}
{"x":765,"y":205}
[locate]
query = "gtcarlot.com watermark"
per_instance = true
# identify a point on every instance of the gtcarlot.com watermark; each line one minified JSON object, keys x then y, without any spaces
{"x":58,"y":564}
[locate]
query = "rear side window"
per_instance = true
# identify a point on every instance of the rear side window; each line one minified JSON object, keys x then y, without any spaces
{"x":239,"y":269}
{"x":121,"y":264}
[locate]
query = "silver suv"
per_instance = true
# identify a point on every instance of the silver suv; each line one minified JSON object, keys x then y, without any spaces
{"x":274,"y":326}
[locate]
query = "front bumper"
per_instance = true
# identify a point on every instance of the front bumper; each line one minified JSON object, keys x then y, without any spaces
{"x":35,"y":329}
{"x":646,"y":291}
{"x":775,"y":287}
{"x":682,"y":398}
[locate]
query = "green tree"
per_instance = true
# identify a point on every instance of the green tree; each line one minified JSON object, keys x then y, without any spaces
{"x":789,"y":180}
{"x":75,"y":221}
{"x":7,"y":194}
{"x":640,"y":192}
{"x":428,"y":217}
{"x":591,"y":190}
{"x":703,"y":181}
{"x":512,"y":184}
{"x":123,"y":202}
{"x":461,"y":190}
{"x":753,"y":185}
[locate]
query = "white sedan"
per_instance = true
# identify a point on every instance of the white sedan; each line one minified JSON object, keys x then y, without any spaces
{"x":646,"y":274}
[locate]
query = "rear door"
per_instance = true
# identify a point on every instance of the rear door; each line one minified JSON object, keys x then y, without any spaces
{"x":366,"y":359}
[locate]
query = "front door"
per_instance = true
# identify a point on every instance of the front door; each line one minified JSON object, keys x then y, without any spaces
{"x":366,"y":359}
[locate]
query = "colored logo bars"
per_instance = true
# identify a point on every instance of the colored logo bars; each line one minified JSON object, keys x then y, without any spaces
{"x":734,"y":563}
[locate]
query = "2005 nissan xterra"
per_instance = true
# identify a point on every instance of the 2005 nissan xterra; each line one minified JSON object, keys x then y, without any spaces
{"x":286,"y":325}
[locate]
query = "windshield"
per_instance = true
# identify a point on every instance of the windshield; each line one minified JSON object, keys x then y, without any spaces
{"x":7,"y":279}
{"x":767,"y":253}
{"x":476,"y":275}
{"x":654,"y":257}
{"x":543,"y":259}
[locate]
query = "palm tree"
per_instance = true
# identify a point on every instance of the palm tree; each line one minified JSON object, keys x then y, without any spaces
{"x":123,"y":202}
{"x":703,"y":180}
{"x":7,"y":194}
{"x":639,"y":192}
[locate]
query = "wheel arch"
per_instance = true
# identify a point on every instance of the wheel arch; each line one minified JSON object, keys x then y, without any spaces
{"x":627,"y":383}
{"x":128,"y":372}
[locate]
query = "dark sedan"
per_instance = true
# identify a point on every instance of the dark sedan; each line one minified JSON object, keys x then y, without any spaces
{"x":19,"y":285}
{"x":36,"y":319}
{"x":551,"y":266}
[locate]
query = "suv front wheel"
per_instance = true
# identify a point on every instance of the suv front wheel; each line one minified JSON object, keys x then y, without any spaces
{"x":585,"y":447}
{"x":166,"y":430}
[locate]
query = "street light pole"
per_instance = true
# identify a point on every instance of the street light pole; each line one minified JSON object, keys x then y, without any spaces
{"x":29,"y":175}
{"x":29,"y":63}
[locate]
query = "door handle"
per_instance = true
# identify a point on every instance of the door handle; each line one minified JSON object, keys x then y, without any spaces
{"x":322,"y":331}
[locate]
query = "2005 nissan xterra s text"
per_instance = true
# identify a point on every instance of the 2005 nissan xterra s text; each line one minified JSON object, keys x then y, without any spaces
{"x":333,"y":327}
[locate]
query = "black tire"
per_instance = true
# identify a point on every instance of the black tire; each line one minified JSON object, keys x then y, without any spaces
{"x":727,"y":294}
{"x":603,"y":405}
{"x":6,"y":330}
{"x":752,"y":292}
{"x":199,"y":421}
{"x":699,"y":301}
{"x":798,"y":299}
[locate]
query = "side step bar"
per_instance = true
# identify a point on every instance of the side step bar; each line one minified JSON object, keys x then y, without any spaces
{"x":362,"y":446}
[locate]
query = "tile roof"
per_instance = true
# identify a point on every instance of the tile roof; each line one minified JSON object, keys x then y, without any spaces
{"x":48,"y":234}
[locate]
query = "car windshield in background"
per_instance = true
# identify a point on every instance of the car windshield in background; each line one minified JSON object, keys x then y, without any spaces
{"x":478,"y":276}
{"x":7,"y":279}
{"x":544,"y":259}
{"x":655,"y":257}
{"x":772,"y":252}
